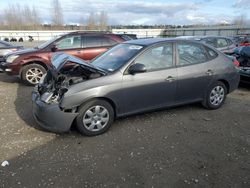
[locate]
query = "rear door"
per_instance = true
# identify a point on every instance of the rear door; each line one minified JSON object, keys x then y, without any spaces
{"x":94,"y":45}
{"x":194,"y":70}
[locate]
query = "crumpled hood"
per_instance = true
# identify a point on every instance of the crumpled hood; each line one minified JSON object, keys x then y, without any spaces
{"x":60,"y":59}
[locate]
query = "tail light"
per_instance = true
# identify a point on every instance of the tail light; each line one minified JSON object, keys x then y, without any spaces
{"x":236,"y":63}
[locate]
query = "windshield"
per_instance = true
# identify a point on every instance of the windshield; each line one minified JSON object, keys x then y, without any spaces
{"x":43,"y":45}
{"x":116,"y":57}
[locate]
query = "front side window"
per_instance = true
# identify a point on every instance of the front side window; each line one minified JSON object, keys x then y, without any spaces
{"x":221,"y":43}
{"x":191,"y":54}
{"x":69,"y":42}
{"x":157,"y":58}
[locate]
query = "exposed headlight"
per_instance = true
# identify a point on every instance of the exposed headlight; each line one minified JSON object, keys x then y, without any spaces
{"x":11,"y":58}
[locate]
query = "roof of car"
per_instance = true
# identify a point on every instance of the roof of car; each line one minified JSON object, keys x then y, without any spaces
{"x":149,"y":41}
{"x":90,"y":32}
{"x":201,"y":37}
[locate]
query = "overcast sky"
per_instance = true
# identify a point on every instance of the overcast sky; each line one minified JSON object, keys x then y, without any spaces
{"x":178,"y":12}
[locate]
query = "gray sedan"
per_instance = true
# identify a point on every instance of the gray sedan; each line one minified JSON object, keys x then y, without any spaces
{"x":132,"y":77}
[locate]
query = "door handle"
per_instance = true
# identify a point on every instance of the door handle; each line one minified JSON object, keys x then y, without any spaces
{"x":170,"y":79}
{"x":209,"y":72}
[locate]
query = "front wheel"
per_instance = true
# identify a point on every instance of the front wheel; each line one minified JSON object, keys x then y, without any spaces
{"x":215,"y":96}
{"x":95,"y":117}
{"x":32,"y":74}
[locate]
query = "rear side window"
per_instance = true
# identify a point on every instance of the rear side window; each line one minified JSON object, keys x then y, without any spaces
{"x":210,"y":41}
{"x":229,"y":42}
{"x":191,"y":54}
{"x":221,"y":43}
{"x":97,"y":41}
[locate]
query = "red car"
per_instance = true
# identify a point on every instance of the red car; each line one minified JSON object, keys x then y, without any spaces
{"x":31,"y":64}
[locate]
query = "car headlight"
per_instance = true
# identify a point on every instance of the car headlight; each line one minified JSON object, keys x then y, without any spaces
{"x":11,"y":58}
{"x":4,"y":52}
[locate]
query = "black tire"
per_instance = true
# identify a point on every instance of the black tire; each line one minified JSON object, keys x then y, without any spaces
{"x":207,"y":102}
{"x":83,"y":114}
{"x":32,"y":67}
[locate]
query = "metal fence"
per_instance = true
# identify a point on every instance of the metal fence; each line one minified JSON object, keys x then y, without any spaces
{"x":141,"y":33}
{"x":205,"y":32}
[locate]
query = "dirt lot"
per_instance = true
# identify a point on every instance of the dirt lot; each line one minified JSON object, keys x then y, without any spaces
{"x":186,"y":146}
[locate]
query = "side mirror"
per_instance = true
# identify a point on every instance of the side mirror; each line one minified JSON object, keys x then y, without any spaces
{"x":54,"y":48}
{"x":136,"y":68}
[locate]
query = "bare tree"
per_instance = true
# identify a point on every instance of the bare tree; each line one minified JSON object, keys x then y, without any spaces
{"x":81,"y":23}
{"x":26,"y":19}
{"x":27,"y":15}
{"x":103,"y":21}
{"x":35,"y":17}
{"x":91,"y":22}
{"x":11,"y":18}
{"x":240,"y":21}
{"x":1,"y":19}
{"x":57,"y":13}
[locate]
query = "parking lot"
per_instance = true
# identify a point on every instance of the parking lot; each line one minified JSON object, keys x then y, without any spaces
{"x":186,"y":146}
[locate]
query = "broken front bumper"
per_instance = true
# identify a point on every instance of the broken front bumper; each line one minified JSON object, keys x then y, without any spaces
{"x":50,"y":116}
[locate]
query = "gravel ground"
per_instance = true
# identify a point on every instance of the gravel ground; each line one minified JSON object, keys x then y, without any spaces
{"x":186,"y":146}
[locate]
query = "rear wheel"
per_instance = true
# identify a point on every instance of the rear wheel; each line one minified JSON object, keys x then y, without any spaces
{"x":32,"y":74}
{"x":215,"y":96}
{"x":95,"y":117}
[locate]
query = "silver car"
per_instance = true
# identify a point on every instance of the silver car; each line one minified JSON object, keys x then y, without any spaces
{"x":223,"y":44}
{"x":132,"y":77}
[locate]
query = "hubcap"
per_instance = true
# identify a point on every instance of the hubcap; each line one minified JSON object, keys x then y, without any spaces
{"x":96,"y":118}
{"x":34,"y":75}
{"x":217,"y":95}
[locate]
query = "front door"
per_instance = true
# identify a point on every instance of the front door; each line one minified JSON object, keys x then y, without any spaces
{"x":155,"y":88}
{"x":71,"y":45}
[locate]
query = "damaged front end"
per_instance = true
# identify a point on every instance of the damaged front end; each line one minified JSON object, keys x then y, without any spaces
{"x":243,"y":56}
{"x":65,"y":72}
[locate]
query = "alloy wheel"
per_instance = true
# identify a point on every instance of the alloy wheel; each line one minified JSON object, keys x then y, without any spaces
{"x":34,"y":75}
